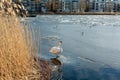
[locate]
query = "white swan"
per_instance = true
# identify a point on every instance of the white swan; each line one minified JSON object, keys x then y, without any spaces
{"x":56,"y":49}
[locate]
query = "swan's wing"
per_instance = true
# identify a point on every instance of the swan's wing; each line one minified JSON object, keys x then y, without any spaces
{"x":54,"y":50}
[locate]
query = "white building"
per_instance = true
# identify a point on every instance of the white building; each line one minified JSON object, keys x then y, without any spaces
{"x":70,"y":5}
{"x":116,"y":5}
{"x":104,"y":5}
{"x":99,"y":5}
{"x":66,"y":6}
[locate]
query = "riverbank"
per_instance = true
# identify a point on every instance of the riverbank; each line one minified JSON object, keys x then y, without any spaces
{"x":81,"y":13}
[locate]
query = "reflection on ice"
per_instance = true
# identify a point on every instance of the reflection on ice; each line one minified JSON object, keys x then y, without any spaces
{"x":65,"y":59}
{"x":56,"y":68}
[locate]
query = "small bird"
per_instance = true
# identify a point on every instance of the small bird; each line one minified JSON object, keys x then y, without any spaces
{"x":57,"y":49}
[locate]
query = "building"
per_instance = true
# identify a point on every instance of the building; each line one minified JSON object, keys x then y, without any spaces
{"x":83,"y":6}
{"x":104,"y":5}
{"x":37,"y":6}
{"x":49,"y":5}
{"x":75,"y":6}
{"x":63,"y":6}
{"x":109,"y":6}
{"x":66,"y":6}
{"x":33,"y":6}
{"x":56,"y":4}
{"x":99,"y":5}
{"x":116,"y":6}
{"x":69,"y":6}
{"x":91,"y":5}
{"x":43,"y":7}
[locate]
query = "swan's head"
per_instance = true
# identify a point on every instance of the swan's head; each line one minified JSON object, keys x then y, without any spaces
{"x":59,"y":43}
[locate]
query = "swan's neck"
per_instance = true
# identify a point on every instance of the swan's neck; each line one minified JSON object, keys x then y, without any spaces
{"x":59,"y":45}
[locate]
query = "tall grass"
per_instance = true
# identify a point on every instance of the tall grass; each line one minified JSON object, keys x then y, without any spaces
{"x":18,"y":51}
{"x":17,"y":60}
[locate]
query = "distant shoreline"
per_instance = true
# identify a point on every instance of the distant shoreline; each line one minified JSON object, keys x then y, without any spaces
{"x":81,"y":13}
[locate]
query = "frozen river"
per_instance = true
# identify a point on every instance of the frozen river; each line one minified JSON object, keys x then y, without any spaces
{"x":91,"y":44}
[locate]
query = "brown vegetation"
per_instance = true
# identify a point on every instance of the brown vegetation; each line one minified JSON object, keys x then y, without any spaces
{"x":16,"y":62}
{"x":11,"y":8}
{"x":18,"y":51}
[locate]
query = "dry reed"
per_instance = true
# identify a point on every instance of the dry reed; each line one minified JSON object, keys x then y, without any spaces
{"x":18,"y":50}
{"x":17,"y":60}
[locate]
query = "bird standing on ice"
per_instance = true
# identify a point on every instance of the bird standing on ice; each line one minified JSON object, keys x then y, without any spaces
{"x":57,"y":49}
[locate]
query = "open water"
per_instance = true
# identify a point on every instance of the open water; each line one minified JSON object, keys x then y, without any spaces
{"x":91,"y":45}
